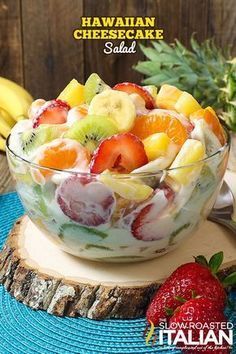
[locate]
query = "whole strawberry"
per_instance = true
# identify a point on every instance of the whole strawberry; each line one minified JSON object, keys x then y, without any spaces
{"x":203,"y":313}
{"x":187,"y":281}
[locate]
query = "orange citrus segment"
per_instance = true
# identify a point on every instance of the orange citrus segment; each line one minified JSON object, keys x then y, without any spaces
{"x":61,"y":154}
{"x":210,"y":117}
{"x":146,"y":125}
{"x":83,"y":110}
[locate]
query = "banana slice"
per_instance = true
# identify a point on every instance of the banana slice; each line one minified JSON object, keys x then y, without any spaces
{"x":116,"y":105}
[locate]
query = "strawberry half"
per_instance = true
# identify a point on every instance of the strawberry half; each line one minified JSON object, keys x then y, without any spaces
{"x":85,"y":200}
{"x":146,"y":224}
{"x":51,"y":112}
{"x":130,"y":88}
{"x":121,"y":152}
{"x":199,"y":315}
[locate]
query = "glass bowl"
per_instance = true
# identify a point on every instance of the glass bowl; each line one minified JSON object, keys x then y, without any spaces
{"x":119,"y":218}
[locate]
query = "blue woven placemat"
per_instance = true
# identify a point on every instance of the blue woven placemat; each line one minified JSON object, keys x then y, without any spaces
{"x":24,"y":331}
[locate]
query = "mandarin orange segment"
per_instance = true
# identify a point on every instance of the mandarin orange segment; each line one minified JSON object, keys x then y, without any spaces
{"x":62,"y":154}
{"x":146,"y":125}
{"x":210,"y":117}
{"x":83,"y":110}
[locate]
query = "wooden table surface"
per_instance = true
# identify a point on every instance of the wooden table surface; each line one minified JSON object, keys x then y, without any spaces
{"x":6,"y":182}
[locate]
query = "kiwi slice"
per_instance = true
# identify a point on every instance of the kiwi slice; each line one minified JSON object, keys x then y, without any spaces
{"x":93,"y":86}
{"x":34,"y":138}
{"x":91,"y":130}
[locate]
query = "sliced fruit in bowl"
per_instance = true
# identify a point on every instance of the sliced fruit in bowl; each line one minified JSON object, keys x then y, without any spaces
{"x":115,"y":105}
{"x":167,"y":96}
{"x":32,"y":139}
{"x":146,"y":225}
{"x":191,"y":152}
{"x":160,"y":122}
{"x":130,"y":88}
{"x":77,"y":113}
{"x":120,"y":153}
{"x":51,"y":112}
{"x":61,"y":154}
{"x":186,"y":104}
{"x":91,"y":130}
{"x":210,"y":117}
{"x":73,"y":93}
{"x":156,"y":145}
{"x":152,"y":89}
{"x":93,"y":86}
{"x":86,"y":201}
{"x":124,"y":159}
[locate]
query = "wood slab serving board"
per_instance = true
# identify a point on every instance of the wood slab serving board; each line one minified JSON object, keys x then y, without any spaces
{"x":38,"y":273}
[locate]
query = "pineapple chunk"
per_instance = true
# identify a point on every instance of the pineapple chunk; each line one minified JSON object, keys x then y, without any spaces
{"x":156,"y":145}
{"x":191,"y":152}
{"x":152,"y":90}
{"x":131,"y":190}
{"x":187,"y":104}
{"x":168,"y":96}
{"x":73,"y":93}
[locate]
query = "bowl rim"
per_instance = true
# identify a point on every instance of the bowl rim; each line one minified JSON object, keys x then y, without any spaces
{"x":123,"y":175}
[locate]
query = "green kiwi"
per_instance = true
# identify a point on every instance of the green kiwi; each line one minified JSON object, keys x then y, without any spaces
{"x":91,"y":130}
{"x":93,"y":86}
{"x":34,"y":138}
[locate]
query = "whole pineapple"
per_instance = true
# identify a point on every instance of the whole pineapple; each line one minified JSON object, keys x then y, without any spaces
{"x":205,"y":71}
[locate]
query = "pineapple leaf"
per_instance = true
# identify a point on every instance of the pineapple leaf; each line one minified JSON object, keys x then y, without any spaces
{"x":148,"y":68}
{"x":205,"y":70}
{"x":150,"y":53}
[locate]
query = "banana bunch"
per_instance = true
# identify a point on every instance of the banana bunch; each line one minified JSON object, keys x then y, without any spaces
{"x":14,"y":105}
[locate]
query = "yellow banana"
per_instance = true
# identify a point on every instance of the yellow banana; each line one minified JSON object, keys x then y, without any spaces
{"x":12,"y":102}
{"x":7,"y":117}
{"x":4,"y":128}
{"x":14,"y":105}
{"x":14,"y":99}
{"x":2,"y":144}
{"x":20,"y":91}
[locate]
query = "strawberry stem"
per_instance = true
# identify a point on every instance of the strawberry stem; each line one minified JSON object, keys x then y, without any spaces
{"x":216,"y":261}
{"x":201,"y":260}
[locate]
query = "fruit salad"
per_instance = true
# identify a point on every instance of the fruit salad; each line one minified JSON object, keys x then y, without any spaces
{"x":121,"y":173}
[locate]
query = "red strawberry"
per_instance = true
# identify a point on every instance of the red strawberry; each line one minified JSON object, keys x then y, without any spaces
{"x":145,"y":225}
{"x":123,"y":152}
{"x":51,"y":112}
{"x":206,"y":315}
{"x":184,"y":281}
{"x":85,"y":200}
{"x":129,"y":88}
